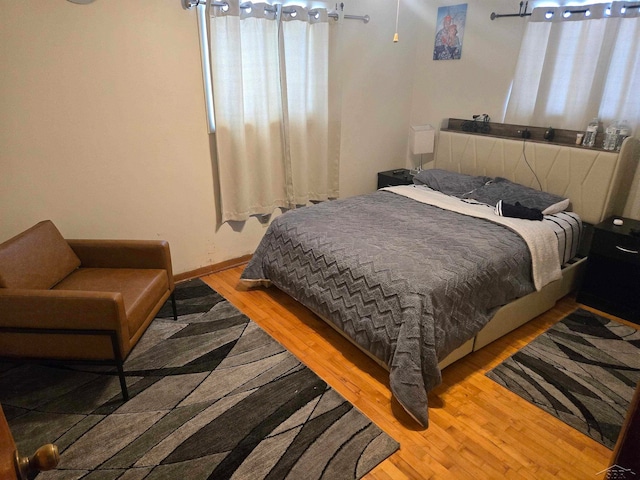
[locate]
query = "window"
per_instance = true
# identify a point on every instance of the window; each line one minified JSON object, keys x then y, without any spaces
{"x":577,"y":63}
{"x":275,"y":122}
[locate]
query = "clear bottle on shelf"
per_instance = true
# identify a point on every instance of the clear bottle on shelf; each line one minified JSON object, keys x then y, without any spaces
{"x":622,"y":132}
{"x":590,"y":135}
{"x":610,"y":137}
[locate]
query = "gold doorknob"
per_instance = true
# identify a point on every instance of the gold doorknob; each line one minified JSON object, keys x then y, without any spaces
{"x":45,"y":458}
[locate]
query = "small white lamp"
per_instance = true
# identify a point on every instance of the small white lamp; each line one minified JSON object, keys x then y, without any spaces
{"x":422,"y":140}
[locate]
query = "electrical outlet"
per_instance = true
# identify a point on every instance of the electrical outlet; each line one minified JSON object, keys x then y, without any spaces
{"x":549,"y":134}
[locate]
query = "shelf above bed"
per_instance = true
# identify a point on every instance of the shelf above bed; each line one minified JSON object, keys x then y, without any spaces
{"x":514,"y":132}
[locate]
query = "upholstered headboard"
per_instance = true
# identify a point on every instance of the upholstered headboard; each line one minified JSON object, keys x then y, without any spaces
{"x":597,"y":182}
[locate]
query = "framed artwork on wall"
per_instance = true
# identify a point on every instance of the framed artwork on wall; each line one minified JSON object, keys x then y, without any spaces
{"x":450,"y":31}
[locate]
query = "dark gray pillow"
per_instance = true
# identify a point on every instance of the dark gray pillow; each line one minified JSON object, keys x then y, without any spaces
{"x":510,"y":192}
{"x":450,"y":183}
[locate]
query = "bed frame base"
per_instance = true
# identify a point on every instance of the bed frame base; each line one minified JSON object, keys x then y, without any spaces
{"x":520,"y":311}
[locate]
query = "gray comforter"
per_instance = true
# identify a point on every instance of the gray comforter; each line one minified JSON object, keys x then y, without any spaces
{"x":407,"y":281}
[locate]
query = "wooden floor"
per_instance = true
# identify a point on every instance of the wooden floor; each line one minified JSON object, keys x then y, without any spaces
{"x":477,"y":430}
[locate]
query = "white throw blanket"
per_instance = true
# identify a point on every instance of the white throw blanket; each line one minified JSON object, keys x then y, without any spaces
{"x":539,"y":237}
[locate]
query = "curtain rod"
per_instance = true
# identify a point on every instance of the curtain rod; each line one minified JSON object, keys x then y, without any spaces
{"x":628,"y":6}
{"x":500,"y":15}
{"x":189,"y":4}
{"x":521,"y":12}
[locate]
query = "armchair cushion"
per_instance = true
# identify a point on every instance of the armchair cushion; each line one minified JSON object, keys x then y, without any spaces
{"x":37,"y":258}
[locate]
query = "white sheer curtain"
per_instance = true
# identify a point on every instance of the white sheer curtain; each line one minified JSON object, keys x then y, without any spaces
{"x":574,"y":68}
{"x":270,"y":74}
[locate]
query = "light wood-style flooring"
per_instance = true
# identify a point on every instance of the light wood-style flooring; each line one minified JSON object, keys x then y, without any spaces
{"x":478,"y":429}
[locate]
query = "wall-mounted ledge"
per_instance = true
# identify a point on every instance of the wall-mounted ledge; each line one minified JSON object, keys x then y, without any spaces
{"x":516,"y":132}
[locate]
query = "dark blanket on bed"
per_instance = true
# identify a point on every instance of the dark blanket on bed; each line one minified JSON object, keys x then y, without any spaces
{"x":407,"y":281}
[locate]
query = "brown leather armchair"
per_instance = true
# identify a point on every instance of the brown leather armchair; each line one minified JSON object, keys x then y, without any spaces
{"x":86,"y":301}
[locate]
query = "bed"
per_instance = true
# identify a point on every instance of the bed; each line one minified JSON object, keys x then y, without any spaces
{"x":418,"y":278}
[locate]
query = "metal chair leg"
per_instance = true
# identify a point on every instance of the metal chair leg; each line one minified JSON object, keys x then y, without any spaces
{"x":173,"y":305}
{"x":123,"y":381}
{"x":117,"y":354}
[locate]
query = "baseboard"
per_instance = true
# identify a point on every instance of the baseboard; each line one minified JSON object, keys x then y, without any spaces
{"x":209,"y":269}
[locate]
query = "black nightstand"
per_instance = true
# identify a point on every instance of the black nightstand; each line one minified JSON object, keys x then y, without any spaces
{"x":399,"y":176}
{"x":612,"y":278}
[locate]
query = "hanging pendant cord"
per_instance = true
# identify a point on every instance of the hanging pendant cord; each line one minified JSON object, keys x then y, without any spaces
{"x":395,"y":36}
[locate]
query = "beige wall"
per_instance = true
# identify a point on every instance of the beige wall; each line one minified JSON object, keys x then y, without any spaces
{"x":480,"y":81}
{"x":102,"y":124}
{"x":477,"y":83}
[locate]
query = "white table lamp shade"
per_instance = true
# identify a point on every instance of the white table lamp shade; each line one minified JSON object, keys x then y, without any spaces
{"x":422,"y":139}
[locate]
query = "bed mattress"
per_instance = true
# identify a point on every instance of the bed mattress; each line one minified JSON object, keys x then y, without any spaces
{"x":568,"y":229}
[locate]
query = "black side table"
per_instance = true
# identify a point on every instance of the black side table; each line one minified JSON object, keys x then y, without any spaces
{"x":390,"y":178}
{"x":612,"y":277}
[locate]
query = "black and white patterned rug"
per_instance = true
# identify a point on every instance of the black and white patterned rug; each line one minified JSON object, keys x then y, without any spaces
{"x":583,"y":370}
{"x":212,"y":397}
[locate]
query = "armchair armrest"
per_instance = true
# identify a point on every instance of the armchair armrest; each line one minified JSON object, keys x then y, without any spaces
{"x":65,"y":309}
{"x":124,"y":254}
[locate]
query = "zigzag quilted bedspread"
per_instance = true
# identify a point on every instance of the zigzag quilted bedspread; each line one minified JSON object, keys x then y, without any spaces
{"x":407,"y":281}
